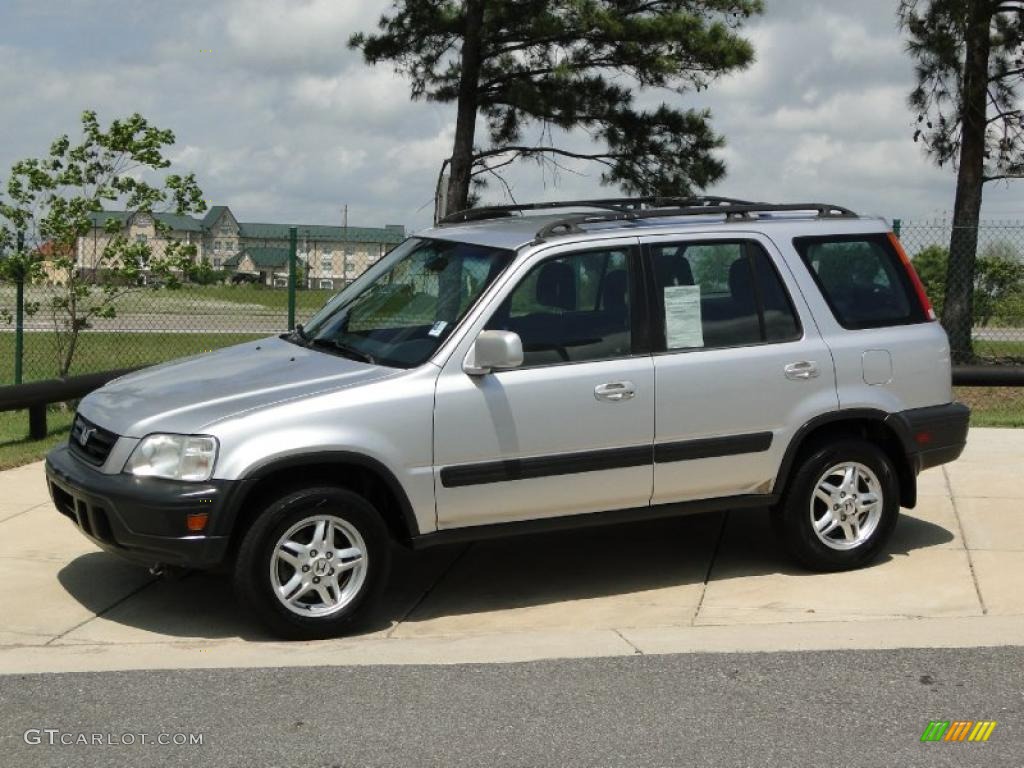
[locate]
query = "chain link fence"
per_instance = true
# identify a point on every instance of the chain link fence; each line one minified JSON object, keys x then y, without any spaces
{"x":238,"y":299}
{"x":998,"y":281}
{"x":246,"y":296}
{"x":997,"y":333}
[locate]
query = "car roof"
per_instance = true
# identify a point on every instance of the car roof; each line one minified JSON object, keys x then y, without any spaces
{"x":515,"y":232}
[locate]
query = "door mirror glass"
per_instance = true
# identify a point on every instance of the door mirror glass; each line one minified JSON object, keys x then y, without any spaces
{"x":494,"y":351}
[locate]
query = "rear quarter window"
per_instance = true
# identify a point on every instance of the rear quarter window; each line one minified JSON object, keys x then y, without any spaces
{"x":862,"y":279}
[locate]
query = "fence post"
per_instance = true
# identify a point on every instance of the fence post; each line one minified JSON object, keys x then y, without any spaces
{"x":897,"y":225}
{"x":19,"y":315}
{"x":292,"y":244}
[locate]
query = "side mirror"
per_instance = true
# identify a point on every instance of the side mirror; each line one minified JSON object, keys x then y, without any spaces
{"x":494,"y":351}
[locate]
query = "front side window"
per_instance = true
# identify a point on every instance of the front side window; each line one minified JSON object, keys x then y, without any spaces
{"x":403,"y":308}
{"x":571,"y":309}
{"x":720,"y":294}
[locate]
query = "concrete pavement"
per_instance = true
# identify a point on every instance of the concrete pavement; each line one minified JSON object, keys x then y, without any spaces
{"x":953,"y":575}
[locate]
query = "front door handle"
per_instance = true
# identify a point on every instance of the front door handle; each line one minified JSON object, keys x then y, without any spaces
{"x":615,"y":391}
{"x":805,"y":369}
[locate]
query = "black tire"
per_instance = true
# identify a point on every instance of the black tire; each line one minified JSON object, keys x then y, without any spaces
{"x":253,"y":567}
{"x":792,"y":519}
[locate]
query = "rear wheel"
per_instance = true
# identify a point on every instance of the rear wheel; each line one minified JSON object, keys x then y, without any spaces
{"x":313,"y":563}
{"x":840,"y":507}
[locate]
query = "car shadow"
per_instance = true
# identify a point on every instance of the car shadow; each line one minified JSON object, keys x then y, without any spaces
{"x":488,"y":576}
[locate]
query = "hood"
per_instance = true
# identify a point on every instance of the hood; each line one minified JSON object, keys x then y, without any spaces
{"x":187,"y":396}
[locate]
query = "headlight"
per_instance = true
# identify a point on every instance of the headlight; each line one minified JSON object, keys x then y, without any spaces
{"x":175,"y":457}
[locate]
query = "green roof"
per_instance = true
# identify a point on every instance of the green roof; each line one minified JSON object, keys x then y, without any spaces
{"x":267,"y":257}
{"x":389,"y":235}
{"x":212,"y":215}
{"x":180,"y":222}
{"x":393,"y":233}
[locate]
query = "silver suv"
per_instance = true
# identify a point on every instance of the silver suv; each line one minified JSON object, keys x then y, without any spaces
{"x":520,"y":369}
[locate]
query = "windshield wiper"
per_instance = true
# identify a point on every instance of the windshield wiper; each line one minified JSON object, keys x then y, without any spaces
{"x":344,"y":349}
{"x":297,"y":336}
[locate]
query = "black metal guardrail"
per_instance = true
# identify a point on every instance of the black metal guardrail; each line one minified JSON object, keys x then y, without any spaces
{"x":988,"y":376}
{"x":36,"y":395}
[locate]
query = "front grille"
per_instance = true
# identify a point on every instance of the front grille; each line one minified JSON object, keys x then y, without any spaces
{"x":90,"y":518}
{"x":90,"y":442}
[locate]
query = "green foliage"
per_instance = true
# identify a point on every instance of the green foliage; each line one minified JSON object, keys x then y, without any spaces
{"x":930,"y":265}
{"x":998,"y":281}
{"x":938,"y":33}
{"x":51,"y":202}
{"x":577,"y":64}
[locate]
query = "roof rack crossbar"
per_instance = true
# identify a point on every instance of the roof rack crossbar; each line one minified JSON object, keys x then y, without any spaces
{"x":618,"y":204}
{"x":731,"y":211}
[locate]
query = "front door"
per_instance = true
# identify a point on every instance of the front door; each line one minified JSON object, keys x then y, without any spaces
{"x":568,"y":432}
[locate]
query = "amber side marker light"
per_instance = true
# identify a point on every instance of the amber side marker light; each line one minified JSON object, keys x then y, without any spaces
{"x":196,"y":521}
{"x":922,"y":295}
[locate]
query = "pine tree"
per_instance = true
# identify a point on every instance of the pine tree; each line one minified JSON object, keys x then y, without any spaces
{"x":970,"y":65}
{"x":535,"y":68}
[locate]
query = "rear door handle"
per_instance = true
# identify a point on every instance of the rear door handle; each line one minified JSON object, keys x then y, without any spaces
{"x":805,"y":369}
{"x":615,"y":391}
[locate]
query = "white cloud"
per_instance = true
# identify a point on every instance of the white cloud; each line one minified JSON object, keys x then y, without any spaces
{"x":280,"y":120}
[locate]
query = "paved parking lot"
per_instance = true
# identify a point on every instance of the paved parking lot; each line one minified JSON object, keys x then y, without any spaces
{"x":952,"y":576}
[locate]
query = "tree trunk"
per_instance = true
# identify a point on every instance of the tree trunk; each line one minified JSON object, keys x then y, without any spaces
{"x":958,"y":307}
{"x":465,"y":121}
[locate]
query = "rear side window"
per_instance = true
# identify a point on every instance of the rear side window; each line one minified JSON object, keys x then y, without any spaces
{"x":862,"y":279}
{"x":720,"y":294}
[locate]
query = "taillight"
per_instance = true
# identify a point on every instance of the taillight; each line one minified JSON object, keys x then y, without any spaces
{"x":922,"y":295}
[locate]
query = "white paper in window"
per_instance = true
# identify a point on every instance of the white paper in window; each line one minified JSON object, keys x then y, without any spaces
{"x":683,"y":328}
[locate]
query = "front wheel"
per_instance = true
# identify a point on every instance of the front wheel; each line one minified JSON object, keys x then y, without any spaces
{"x":840,"y":507}
{"x":313,"y":563}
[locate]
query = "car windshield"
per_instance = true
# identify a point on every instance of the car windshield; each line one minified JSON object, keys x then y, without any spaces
{"x":402,"y":309}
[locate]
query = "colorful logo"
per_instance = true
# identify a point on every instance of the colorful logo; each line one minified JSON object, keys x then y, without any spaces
{"x":958,"y":730}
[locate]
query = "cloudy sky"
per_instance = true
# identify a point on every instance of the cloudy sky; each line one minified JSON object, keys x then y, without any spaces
{"x":282,"y":122}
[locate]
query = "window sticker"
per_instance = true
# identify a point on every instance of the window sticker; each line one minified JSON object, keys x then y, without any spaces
{"x":683,"y":328}
{"x":437,"y":328}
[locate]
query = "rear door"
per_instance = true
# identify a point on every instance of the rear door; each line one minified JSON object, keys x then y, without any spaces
{"x":889,"y":352}
{"x":738,"y":362}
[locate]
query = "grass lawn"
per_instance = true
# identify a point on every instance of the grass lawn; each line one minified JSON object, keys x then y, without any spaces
{"x":100,"y":351}
{"x":999,"y":350}
{"x":993,"y":406}
{"x":197,"y":300}
{"x":15,"y":447}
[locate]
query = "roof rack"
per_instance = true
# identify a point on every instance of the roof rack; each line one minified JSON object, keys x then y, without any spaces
{"x":732,"y":210}
{"x":618,"y":204}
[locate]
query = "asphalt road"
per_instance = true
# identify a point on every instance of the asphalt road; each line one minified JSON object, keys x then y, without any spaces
{"x":847,"y":708}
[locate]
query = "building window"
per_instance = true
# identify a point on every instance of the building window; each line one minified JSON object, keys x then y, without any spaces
{"x":141,"y":239}
{"x":327,"y":285}
{"x":216,"y":262}
{"x":280,"y":282}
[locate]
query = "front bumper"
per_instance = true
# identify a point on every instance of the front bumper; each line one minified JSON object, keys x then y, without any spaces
{"x":143,"y":519}
{"x":932,"y":436}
